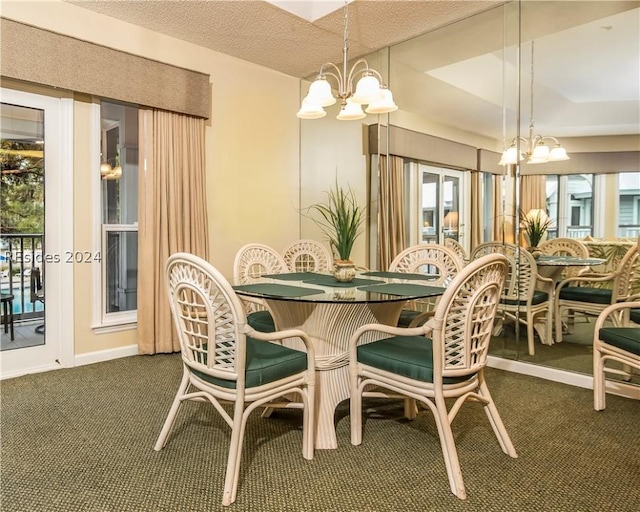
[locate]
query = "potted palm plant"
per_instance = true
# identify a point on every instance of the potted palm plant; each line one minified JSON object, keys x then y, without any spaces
{"x":535,"y":224}
{"x":341,"y":219}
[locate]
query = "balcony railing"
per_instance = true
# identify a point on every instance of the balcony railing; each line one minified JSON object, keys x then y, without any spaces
{"x":19,"y":255}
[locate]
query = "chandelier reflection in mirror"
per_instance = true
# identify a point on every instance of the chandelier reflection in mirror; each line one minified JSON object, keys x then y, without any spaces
{"x":111,"y":169}
{"x":370,"y":89}
{"x":535,"y":148}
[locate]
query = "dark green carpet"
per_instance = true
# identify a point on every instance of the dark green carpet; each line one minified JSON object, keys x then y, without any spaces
{"x":81,"y":440}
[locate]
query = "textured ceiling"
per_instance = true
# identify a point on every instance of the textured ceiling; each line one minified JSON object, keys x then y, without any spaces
{"x":262,"y":33}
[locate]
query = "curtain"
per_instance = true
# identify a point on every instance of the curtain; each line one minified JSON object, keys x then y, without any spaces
{"x":533,"y":196}
{"x":172,"y":215}
{"x":391,"y":217}
{"x":533,"y":193}
{"x":477,"y":222}
{"x":499,"y":226}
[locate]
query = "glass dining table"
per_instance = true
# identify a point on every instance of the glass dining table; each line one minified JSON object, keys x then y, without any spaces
{"x":330,"y":312}
{"x":553,"y":267}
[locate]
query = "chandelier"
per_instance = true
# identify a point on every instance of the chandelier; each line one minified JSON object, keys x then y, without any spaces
{"x":370,"y":89}
{"x":535,"y":148}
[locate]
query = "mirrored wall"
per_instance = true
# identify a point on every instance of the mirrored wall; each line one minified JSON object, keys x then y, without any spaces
{"x":567,"y":71}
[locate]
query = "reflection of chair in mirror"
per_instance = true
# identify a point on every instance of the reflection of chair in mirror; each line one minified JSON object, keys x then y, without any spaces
{"x":37,"y":292}
{"x":617,"y":342}
{"x":438,"y":263}
{"x":455,"y":246}
{"x":7,"y":314}
{"x":442,"y":360}
{"x":521,"y":301}
{"x":251,"y":262}
{"x":227,"y":362}
{"x":307,"y":256}
{"x":590,"y":293}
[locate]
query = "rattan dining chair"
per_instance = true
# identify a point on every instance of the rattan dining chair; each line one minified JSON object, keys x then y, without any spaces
{"x":251,"y":262}
{"x":438,"y":263}
{"x":225,"y":361}
{"x":590,"y":293}
{"x":307,"y":256}
{"x":521,"y":300}
{"x":455,"y":246}
{"x":616,"y":339}
{"x":443,"y":359}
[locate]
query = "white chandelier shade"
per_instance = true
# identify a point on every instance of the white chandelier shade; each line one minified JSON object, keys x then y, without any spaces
{"x":535,"y":149}
{"x":369,"y":89}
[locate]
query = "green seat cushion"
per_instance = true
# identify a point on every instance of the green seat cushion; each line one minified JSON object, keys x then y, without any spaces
{"x":408,"y":356}
{"x":538,"y":298}
{"x":625,"y":338}
{"x":634,"y":315}
{"x":586,"y":294}
{"x":261,"y":321}
{"x":266,"y":362}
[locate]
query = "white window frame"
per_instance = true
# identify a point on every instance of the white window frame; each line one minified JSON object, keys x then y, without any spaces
{"x":564,"y":209}
{"x":104,"y":322}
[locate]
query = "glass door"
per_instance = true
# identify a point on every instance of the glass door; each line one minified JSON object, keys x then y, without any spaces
{"x":440,"y":200}
{"x":32,"y":260}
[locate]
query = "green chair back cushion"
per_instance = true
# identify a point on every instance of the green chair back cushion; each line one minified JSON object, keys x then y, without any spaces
{"x":408,"y":356}
{"x":266,"y":362}
{"x":624,"y":338}
{"x":586,"y":294}
{"x":634,"y":315}
{"x":406,"y":317}
{"x":261,"y":321}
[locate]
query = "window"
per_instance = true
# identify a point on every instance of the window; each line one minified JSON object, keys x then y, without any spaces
{"x":119,"y":211}
{"x":570,"y":201}
{"x":629,"y":204}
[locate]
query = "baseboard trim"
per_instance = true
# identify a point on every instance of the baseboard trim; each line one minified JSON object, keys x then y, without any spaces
{"x":28,"y":371}
{"x":105,"y":355}
{"x":563,"y":376}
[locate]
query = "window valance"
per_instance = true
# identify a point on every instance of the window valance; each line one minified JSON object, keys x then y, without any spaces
{"x":420,"y":146}
{"x":44,"y":57}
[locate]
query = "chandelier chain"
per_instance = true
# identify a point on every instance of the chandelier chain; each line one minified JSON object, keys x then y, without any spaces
{"x":531,"y":85}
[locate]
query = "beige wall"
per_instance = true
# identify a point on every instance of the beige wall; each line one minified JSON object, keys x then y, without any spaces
{"x":251,"y":147}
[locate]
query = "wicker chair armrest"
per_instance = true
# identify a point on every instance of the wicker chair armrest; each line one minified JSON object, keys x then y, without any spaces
{"x":613,"y":312}
{"x":588,"y":279}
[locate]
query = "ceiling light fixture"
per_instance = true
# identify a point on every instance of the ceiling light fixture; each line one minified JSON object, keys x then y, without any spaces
{"x":535,"y":149}
{"x":370,"y":89}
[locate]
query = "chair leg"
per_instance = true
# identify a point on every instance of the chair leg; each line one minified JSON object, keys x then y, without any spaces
{"x":309,"y":423}
{"x":173,"y":412}
{"x":235,"y":453}
{"x":558,"y":321}
{"x":530,"y":335}
{"x":410,"y":408}
{"x":599,"y":395}
{"x":496,"y":422}
{"x":355,"y":412}
{"x":454,"y":473}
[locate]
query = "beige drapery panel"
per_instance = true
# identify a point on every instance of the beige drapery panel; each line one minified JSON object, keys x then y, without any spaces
{"x":533,"y":196}
{"x":477,"y":223}
{"x":391,"y":218}
{"x":533,"y":193}
{"x":503,"y":228}
{"x":172,"y":215}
